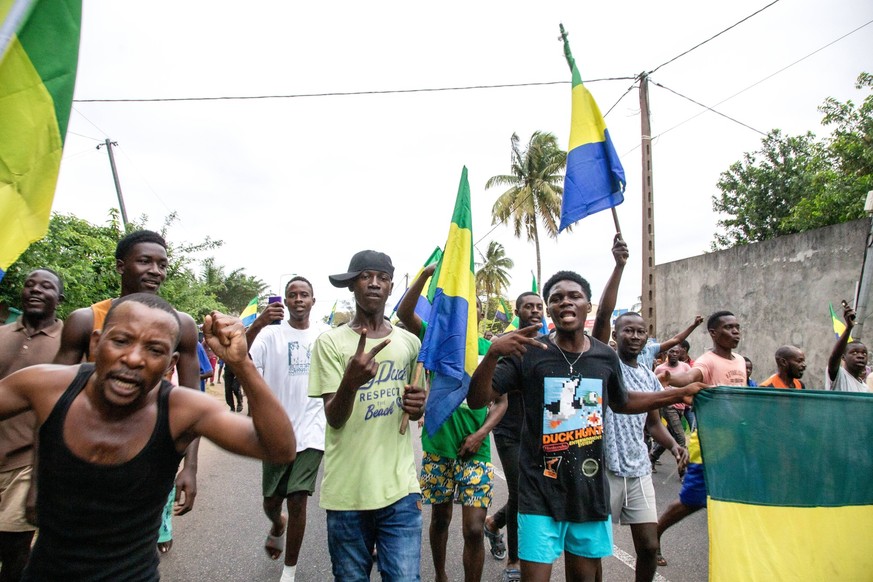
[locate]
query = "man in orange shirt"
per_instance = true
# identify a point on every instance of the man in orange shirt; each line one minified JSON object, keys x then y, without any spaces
{"x":790,"y":363}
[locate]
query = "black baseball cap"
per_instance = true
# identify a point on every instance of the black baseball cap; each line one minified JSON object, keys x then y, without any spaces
{"x":363,"y":261}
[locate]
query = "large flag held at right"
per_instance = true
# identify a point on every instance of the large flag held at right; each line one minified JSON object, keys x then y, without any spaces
{"x":39,"y":52}
{"x":789,"y":476}
{"x":594,"y":179}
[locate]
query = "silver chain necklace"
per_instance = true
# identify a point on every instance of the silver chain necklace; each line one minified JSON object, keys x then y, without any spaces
{"x":566,"y":359}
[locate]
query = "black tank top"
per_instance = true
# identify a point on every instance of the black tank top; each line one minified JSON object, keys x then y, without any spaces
{"x":100,"y":522}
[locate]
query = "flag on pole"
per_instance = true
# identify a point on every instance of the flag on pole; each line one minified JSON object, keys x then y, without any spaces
{"x":544,"y":329}
{"x":39,"y":52}
{"x":503,"y":311}
{"x":332,"y":314}
{"x":788,"y":475}
{"x":451,"y":343}
{"x":594,"y":179}
{"x":250,"y":313}
{"x":423,"y":305}
{"x":839,"y":326}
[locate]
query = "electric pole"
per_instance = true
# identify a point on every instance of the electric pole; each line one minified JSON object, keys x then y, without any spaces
{"x":648,"y":240}
{"x":109,"y":145}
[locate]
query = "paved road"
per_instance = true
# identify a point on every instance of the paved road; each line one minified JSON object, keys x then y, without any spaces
{"x":222,"y":539}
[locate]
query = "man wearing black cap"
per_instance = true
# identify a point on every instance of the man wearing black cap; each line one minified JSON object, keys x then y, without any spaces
{"x":370,"y":489}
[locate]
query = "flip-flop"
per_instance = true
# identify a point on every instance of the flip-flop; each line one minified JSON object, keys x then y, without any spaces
{"x":275,"y":545}
{"x":512,"y":575}
{"x":661,"y":560}
{"x":495,"y":540}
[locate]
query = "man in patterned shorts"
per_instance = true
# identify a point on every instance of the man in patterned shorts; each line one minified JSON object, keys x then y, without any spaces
{"x":457,"y":461}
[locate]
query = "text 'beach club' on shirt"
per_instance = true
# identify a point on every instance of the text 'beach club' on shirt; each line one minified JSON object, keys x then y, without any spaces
{"x":368,"y":464}
{"x":561,"y":466}
{"x":282,"y":355}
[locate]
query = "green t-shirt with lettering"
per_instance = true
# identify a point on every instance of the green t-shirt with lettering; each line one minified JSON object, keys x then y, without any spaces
{"x":368,"y":464}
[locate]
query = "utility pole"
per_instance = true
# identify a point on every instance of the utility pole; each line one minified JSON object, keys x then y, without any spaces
{"x":863,"y":298}
{"x":108,"y":143}
{"x":648,"y":287}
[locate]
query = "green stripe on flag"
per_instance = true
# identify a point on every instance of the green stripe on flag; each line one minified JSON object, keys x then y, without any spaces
{"x":774,"y":447}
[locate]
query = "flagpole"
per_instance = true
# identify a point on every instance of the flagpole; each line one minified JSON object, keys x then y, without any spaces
{"x":615,"y":220}
{"x":404,"y":422}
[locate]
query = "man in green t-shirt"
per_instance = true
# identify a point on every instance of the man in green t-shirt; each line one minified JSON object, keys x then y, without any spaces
{"x":457,"y":460}
{"x":363,"y":372}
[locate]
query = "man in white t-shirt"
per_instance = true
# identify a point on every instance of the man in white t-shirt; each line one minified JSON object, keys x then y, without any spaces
{"x":280,"y":350}
{"x":848,"y":376}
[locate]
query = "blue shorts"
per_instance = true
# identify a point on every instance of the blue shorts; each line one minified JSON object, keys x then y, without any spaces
{"x":693,"y":492}
{"x":542,"y":539}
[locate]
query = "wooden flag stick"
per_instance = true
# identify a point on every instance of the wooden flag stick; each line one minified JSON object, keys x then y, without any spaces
{"x":615,"y":220}
{"x":404,"y":422}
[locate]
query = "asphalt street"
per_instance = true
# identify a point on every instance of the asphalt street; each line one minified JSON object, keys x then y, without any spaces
{"x":222,"y":538}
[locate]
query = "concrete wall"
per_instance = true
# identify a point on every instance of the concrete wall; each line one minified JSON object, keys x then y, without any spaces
{"x":778,"y":289}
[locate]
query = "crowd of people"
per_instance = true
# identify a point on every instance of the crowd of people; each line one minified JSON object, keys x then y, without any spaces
{"x":95,"y":427}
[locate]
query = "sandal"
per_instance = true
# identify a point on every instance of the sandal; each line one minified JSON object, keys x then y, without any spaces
{"x":275,"y":545}
{"x":660,"y":558}
{"x":498,"y":547}
{"x":512,"y":575}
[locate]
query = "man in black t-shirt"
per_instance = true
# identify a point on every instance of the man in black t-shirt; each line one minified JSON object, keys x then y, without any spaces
{"x":566,"y":379}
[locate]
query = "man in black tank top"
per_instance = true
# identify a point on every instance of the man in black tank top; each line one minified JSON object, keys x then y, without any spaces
{"x":131,"y":429}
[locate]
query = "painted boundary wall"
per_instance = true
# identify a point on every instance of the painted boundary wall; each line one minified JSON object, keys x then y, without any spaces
{"x":778,"y":289}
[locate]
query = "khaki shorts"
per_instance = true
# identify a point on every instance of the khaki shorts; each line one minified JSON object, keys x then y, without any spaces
{"x":632,"y":499}
{"x":14,"y":485}
{"x":294,"y":477}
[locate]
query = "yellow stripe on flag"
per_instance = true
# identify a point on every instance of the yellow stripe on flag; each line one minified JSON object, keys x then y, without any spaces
{"x":768,"y":543}
{"x":585,"y":128}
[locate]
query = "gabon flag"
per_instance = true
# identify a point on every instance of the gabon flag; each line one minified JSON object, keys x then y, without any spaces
{"x":39,"y":52}
{"x":450,"y":349}
{"x":594,"y":179}
{"x":788,"y":475}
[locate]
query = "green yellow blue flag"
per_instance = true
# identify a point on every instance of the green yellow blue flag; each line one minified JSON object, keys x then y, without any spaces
{"x":332,"y":314}
{"x":839,"y":326}
{"x":594,"y":179}
{"x":451,"y":344}
{"x":788,"y":474}
{"x":250,"y":313}
{"x":39,"y":52}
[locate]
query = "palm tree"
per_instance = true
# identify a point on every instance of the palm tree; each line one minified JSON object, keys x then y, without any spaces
{"x":492,"y":276}
{"x":536,"y":184}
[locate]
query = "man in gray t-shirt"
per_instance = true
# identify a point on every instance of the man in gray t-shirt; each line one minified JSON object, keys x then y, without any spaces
{"x":853,"y":357}
{"x":632,"y":493}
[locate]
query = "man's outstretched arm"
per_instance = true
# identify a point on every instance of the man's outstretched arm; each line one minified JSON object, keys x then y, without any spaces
{"x":610,"y":291}
{"x":682,"y":335}
{"x":840,"y":347}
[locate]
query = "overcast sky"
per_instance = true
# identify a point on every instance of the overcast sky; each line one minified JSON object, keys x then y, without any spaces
{"x":297,"y":185}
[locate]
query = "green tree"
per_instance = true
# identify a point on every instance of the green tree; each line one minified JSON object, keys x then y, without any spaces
{"x":851,"y":154}
{"x":493,"y":276}
{"x":535,"y":183}
{"x":82,"y":253}
{"x":759,"y":193}
{"x":796,"y":183}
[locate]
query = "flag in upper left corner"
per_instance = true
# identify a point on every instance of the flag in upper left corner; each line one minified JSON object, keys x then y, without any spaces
{"x":39,"y":52}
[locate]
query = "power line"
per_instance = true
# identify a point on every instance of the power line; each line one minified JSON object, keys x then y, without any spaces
{"x":698,"y":45}
{"x":629,"y":89}
{"x":756,"y":83}
{"x":91,"y":122}
{"x":85,"y":136}
{"x":343,"y":93}
{"x":708,"y":108}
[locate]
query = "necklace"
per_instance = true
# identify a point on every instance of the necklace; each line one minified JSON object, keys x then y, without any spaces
{"x":566,"y":359}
